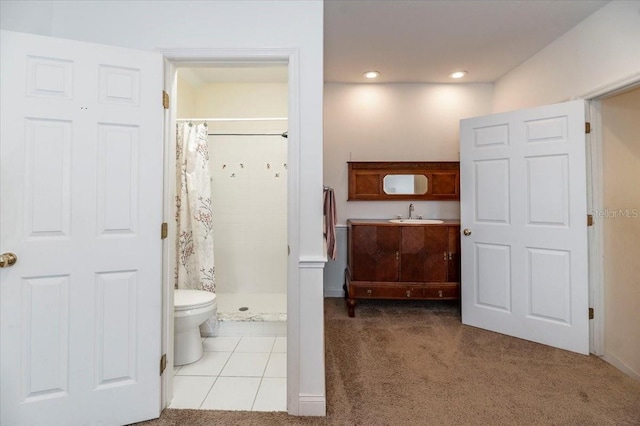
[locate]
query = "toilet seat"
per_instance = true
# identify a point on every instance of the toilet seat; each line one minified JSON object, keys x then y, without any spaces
{"x":192,"y":299}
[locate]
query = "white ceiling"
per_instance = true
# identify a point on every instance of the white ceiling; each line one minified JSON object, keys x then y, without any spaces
{"x":422,"y":41}
{"x":425,"y":40}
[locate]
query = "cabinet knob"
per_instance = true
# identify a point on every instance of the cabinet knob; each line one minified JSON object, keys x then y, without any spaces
{"x":408,"y":293}
{"x":369,"y":292}
{"x":467,"y":232}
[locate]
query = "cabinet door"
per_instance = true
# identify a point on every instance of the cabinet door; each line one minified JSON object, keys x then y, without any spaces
{"x":445,"y":184}
{"x":424,"y":253}
{"x":374,"y":253}
{"x":454,"y":254}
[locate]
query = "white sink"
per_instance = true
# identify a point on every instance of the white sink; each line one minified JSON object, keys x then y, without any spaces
{"x":416,"y":221}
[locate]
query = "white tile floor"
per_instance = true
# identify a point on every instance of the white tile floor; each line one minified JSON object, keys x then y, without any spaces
{"x":236,"y":373}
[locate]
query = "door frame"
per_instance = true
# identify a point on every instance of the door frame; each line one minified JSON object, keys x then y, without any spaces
{"x":184,"y":57}
{"x":595,"y":203}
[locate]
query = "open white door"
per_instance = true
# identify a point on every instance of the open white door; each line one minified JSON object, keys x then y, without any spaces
{"x":523,"y":215}
{"x":81,"y":189}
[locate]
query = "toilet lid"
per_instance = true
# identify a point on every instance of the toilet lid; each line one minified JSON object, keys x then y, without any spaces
{"x":192,"y":299}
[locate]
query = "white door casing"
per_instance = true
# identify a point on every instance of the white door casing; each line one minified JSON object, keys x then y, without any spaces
{"x":81,"y":189}
{"x":299,"y":402}
{"x":523,"y":198}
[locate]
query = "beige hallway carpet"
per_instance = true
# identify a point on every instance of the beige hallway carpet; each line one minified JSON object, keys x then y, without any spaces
{"x":414,"y":363}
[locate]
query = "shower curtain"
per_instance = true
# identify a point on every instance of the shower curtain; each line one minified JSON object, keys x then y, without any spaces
{"x":194,"y":245}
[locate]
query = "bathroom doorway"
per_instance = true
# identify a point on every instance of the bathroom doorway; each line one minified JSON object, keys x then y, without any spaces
{"x":245,"y":109}
{"x":615,"y":154}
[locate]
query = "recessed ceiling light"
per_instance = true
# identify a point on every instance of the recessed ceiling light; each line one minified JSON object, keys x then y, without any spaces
{"x":371,"y":74}
{"x":458,"y":74}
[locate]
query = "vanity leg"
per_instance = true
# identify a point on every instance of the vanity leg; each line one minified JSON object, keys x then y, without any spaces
{"x":351,"y":303}
{"x":351,"y":306}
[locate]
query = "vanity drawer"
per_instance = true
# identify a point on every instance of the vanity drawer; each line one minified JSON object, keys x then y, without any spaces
{"x":385,"y":291}
{"x":441,"y":291}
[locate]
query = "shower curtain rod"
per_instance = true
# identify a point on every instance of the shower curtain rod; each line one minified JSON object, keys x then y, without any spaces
{"x":233,"y":119}
{"x":284,"y":135}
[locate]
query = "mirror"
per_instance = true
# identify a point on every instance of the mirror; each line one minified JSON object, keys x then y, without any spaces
{"x":405,"y":184}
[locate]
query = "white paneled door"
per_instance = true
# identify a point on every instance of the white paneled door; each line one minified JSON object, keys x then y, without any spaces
{"x":81,"y":189}
{"x":524,"y":218}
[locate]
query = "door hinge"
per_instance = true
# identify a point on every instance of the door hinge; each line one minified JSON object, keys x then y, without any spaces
{"x":163,"y":363}
{"x":587,"y":127}
{"x":590,"y":313}
{"x":589,"y":220}
{"x":164,"y":230}
{"x":165,"y":100}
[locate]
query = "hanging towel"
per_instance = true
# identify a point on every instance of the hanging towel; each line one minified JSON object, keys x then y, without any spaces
{"x":330,"y":218}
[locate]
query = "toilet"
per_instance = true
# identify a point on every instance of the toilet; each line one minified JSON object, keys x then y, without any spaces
{"x":191,"y":308}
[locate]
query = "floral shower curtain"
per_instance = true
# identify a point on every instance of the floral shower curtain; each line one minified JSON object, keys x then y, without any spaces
{"x":195,"y":266}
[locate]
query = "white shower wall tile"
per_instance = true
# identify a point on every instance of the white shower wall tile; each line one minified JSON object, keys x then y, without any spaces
{"x":249,"y":212}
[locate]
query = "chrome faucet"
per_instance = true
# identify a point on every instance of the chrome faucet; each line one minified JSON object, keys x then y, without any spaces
{"x":411,"y":209}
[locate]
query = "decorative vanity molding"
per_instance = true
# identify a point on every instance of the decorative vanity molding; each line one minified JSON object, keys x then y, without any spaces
{"x":367,"y":180}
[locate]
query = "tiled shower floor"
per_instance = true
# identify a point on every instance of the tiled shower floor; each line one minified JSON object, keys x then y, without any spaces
{"x":252,"y":306}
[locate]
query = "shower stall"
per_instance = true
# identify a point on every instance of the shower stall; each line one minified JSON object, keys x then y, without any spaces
{"x":247,"y":144}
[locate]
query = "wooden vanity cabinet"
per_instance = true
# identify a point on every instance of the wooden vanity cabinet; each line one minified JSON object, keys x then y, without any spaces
{"x":374,"y":253}
{"x":395,"y":261}
{"x":422,"y":253}
{"x":453,"y":272}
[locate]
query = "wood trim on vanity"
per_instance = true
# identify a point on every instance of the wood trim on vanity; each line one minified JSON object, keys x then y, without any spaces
{"x":395,"y":261}
{"x":366,"y":179}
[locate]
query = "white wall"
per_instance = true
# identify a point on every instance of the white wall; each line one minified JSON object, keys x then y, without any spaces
{"x":298,"y":25}
{"x":186,"y":102}
{"x":621,"y":228}
{"x":243,"y":100}
{"x":395,"y":122}
{"x":391,"y":122}
{"x":600,"y":51}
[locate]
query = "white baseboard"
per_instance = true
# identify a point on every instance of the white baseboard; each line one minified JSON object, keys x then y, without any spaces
{"x":613,"y":360}
{"x":312,"y":405}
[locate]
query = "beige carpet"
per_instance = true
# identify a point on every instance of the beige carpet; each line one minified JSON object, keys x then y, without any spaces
{"x":414,"y":363}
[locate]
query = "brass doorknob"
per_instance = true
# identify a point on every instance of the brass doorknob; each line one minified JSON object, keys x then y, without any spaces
{"x":7,"y":259}
{"x":467,"y":232}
